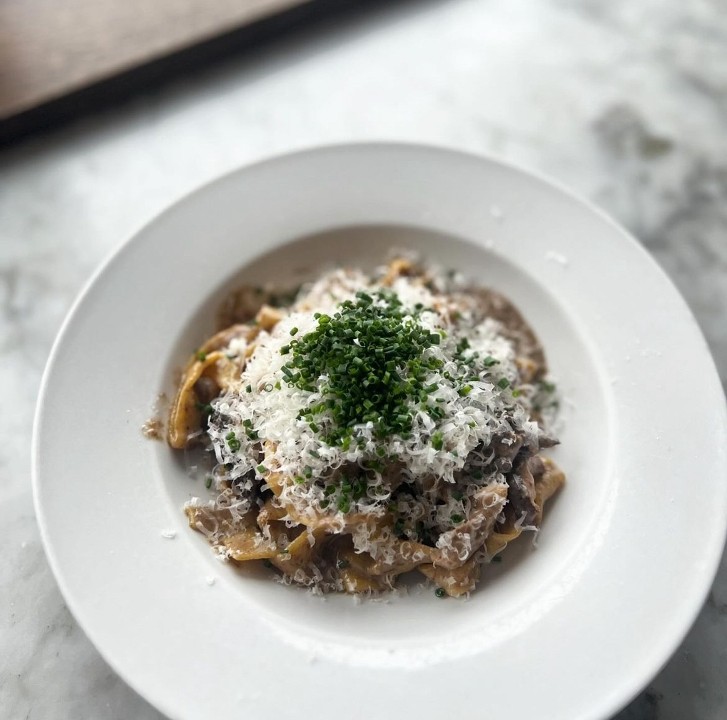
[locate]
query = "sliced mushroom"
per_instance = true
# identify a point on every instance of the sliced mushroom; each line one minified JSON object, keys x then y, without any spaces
{"x":506,"y":447}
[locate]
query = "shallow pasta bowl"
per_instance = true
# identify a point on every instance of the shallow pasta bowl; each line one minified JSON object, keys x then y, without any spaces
{"x":572,"y":629}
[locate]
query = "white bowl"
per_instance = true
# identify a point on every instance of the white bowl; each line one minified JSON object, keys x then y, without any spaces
{"x":571,"y":630}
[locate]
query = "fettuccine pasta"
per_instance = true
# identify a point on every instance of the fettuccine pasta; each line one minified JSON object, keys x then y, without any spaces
{"x":370,"y":426}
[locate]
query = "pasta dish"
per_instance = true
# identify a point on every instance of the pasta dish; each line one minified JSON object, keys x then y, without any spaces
{"x":368,"y":426}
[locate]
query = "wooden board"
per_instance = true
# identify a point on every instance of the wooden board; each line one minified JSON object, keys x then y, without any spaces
{"x":51,"y":48}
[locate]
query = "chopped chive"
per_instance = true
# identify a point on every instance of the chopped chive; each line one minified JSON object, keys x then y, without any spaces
{"x":370,"y":352}
{"x":234,"y":444}
{"x":344,"y":504}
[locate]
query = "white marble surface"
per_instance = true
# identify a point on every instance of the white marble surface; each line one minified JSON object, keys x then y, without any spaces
{"x":624,"y":101}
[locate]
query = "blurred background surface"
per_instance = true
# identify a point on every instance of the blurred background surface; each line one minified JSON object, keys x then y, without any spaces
{"x":624,"y":102}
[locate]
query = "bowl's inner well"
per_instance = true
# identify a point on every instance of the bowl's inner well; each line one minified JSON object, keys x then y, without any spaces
{"x":511,"y":593}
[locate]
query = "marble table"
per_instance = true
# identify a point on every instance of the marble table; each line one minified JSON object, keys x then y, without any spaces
{"x":625,"y":102}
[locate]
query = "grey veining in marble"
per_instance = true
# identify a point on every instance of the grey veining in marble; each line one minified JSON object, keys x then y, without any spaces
{"x":624,"y":101}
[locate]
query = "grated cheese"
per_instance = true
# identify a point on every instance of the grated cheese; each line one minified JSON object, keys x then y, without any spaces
{"x":262,"y":401}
